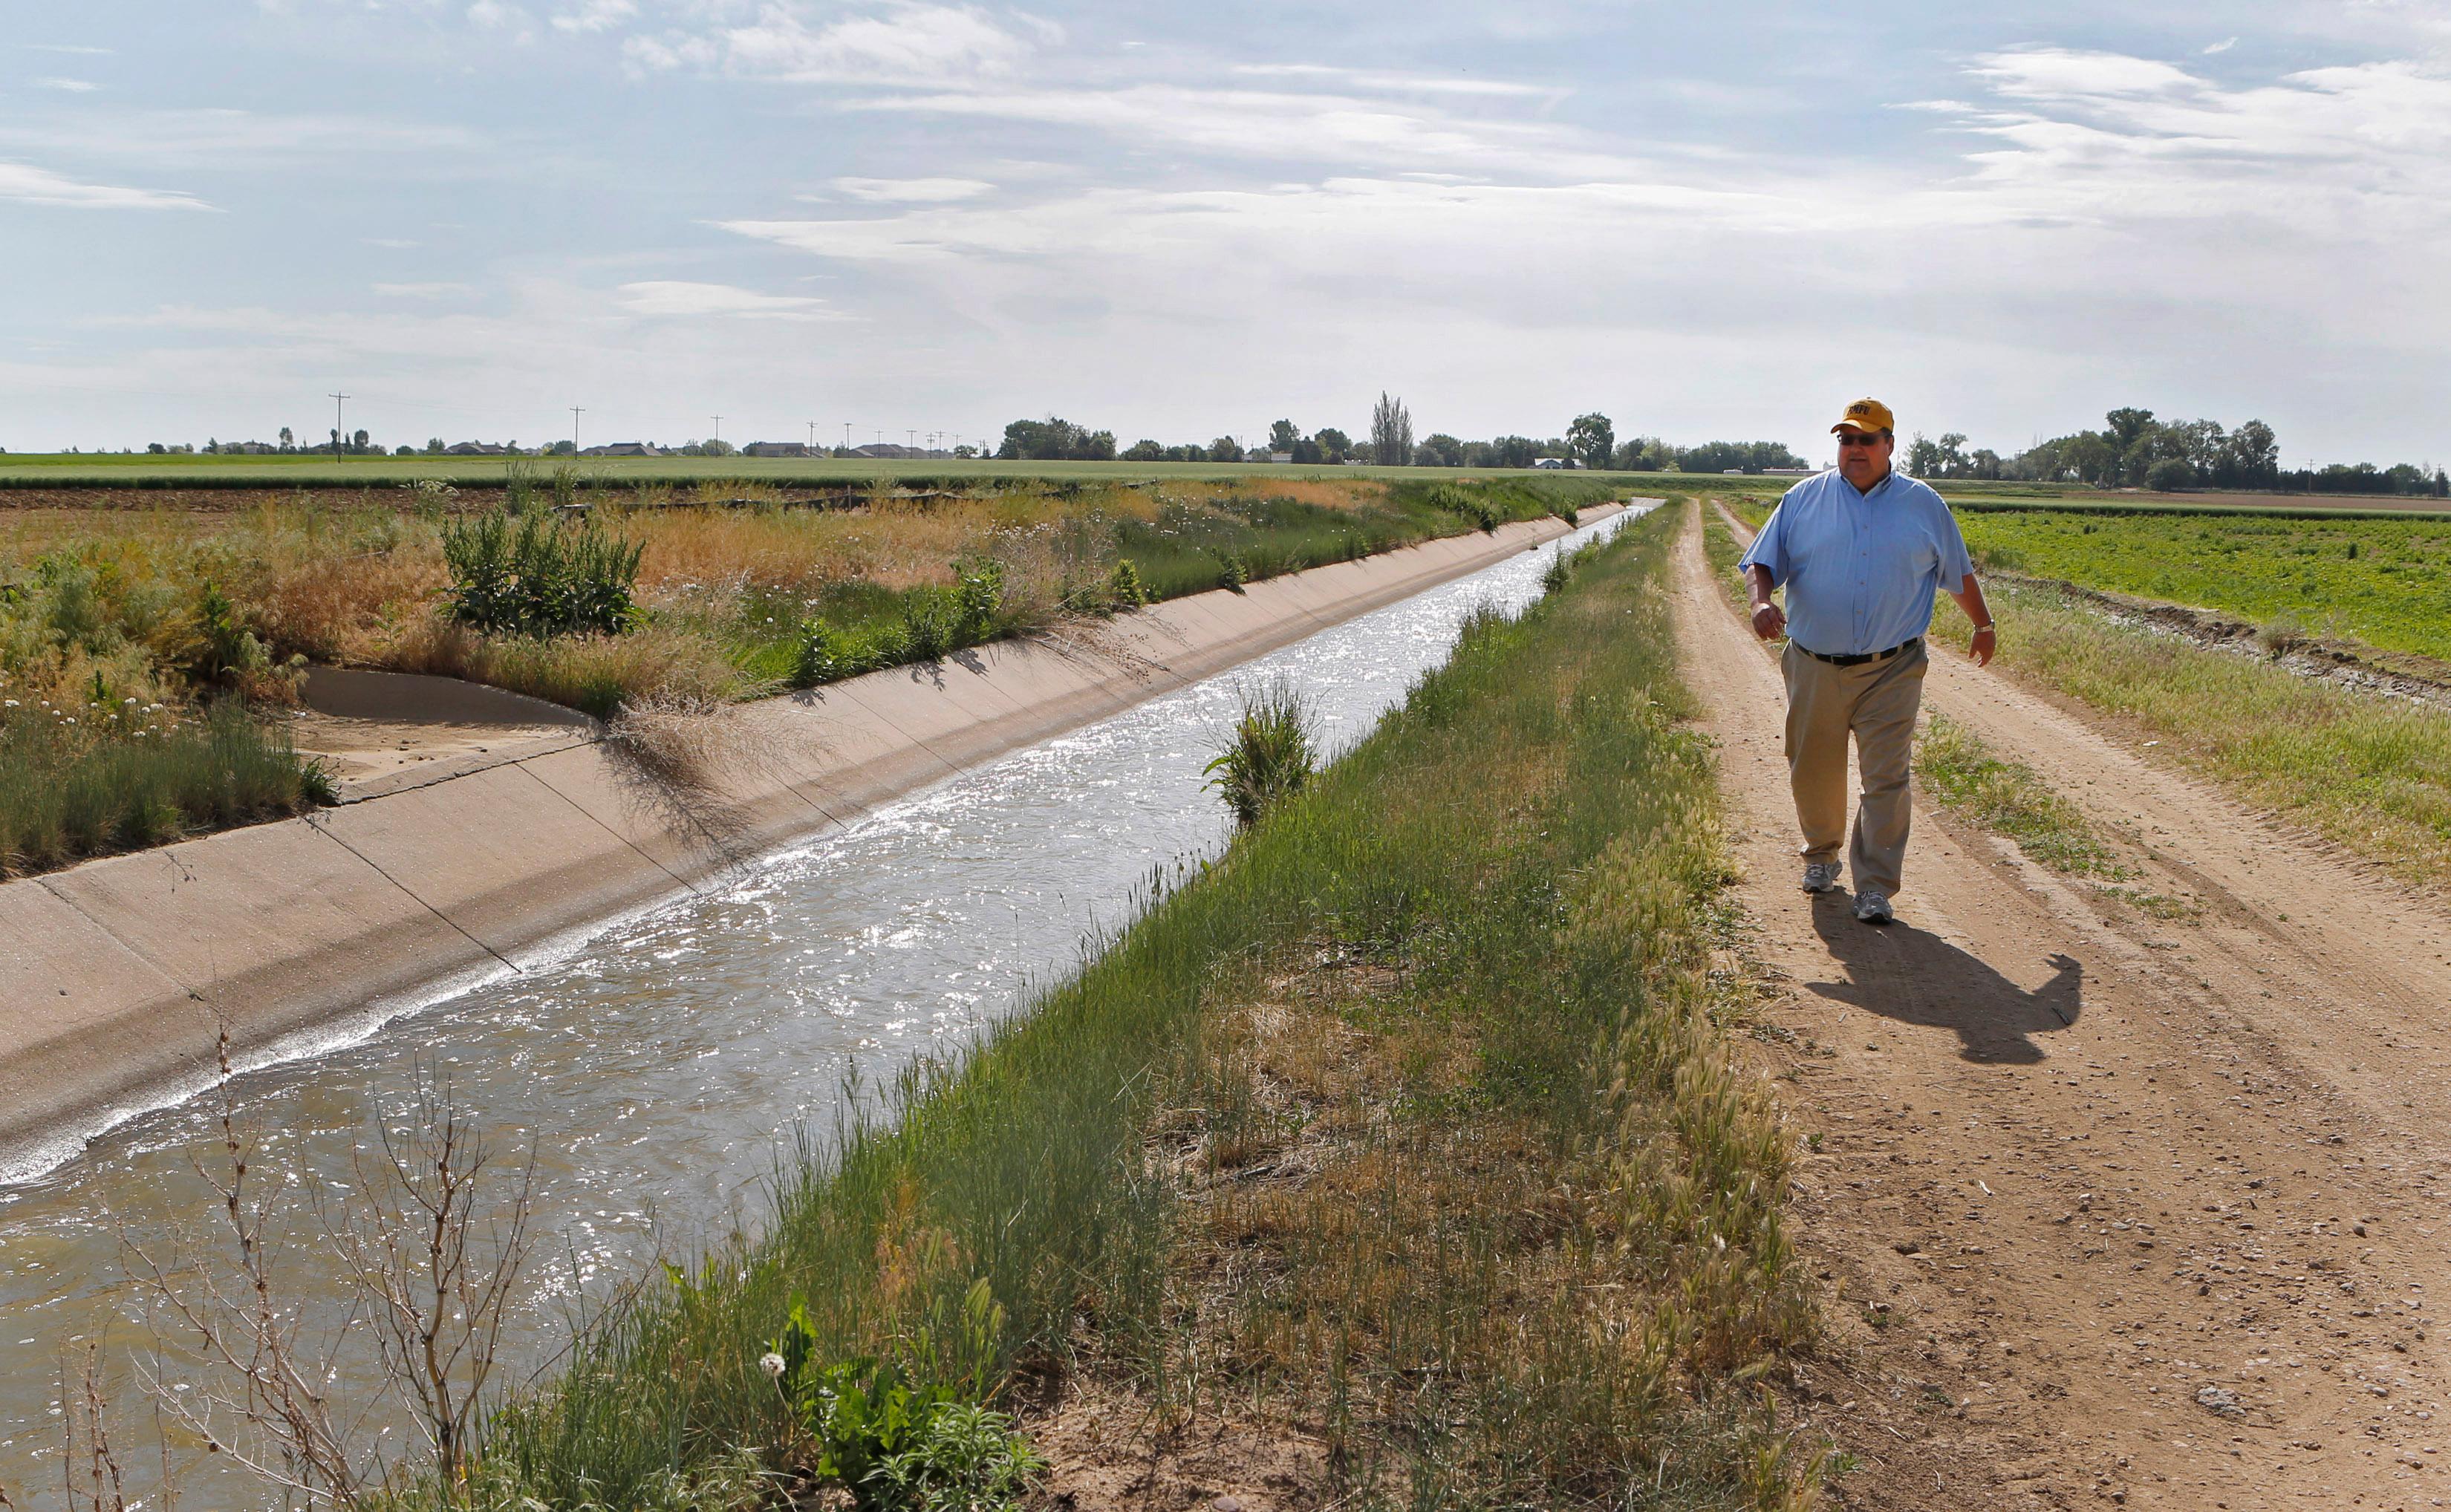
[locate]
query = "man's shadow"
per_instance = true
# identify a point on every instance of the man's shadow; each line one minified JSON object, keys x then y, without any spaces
{"x":1914,"y":977}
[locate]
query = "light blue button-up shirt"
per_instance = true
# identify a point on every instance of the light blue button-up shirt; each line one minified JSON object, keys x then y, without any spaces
{"x":1861,"y":569}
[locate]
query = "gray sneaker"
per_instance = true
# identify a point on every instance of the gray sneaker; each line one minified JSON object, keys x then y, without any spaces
{"x":1820,"y":876}
{"x":1874,"y":908}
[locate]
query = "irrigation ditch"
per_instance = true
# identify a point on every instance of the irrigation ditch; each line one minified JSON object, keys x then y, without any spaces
{"x":817,"y":1002}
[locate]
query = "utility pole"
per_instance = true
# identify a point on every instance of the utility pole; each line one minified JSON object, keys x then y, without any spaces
{"x":718,"y":429}
{"x":846,"y":435}
{"x":336,"y":400}
{"x":813,"y":438}
{"x":575,"y":412}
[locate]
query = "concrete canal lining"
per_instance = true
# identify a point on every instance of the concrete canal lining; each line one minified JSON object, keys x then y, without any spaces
{"x":118,"y":976}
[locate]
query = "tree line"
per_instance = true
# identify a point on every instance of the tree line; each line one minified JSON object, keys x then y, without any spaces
{"x":1589,"y":442}
{"x":2134,"y":449}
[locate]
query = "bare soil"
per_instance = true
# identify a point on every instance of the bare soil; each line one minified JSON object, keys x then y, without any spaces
{"x":2113,"y":1207}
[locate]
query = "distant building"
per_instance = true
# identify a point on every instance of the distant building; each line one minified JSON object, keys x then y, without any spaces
{"x":479,"y":448}
{"x":776,"y":449}
{"x":1790,"y":472}
{"x":625,"y":448}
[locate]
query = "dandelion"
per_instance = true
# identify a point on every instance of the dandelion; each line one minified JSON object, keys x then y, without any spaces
{"x":772,"y":1364}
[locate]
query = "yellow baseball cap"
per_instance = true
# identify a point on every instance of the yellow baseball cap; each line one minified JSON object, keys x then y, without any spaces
{"x":1867,"y":413}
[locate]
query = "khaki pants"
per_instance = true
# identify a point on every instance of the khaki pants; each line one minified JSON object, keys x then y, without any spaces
{"x":1876,"y":702}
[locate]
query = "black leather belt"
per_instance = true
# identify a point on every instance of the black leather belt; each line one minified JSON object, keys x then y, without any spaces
{"x":1861,"y":658}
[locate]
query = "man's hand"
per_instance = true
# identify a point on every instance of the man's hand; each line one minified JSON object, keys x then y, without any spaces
{"x":1770,"y":620}
{"x":1986,"y":641}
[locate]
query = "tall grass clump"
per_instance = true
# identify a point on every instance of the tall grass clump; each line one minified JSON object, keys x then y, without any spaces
{"x":1405,"y":1122}
{"x":1271,"y":753}
{"x":123,"y":777}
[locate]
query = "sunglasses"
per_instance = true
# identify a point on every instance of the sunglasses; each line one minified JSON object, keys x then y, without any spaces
{"x":1858,"y":438}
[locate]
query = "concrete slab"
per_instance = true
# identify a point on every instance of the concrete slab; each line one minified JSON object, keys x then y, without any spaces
{"x":501,"y":855}
{"x":83,"y":1018}
{"x":271,"y":927}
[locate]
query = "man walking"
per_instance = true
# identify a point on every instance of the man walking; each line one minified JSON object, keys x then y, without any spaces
{"x":1860,"y":552}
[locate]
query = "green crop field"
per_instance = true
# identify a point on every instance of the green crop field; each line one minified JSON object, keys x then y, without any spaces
{"x":2382,"y":580}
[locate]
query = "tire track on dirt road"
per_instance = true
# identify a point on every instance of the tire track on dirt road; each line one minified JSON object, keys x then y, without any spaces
{"x":2114,"y":1207}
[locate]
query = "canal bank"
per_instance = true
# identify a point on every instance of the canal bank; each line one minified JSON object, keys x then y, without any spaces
{"x":118,"y":978}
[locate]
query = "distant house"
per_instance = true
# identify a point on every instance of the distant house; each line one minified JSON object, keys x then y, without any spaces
{"x":776,"y":449}
{"x":479,"y":448}
{"x":1272,"y":457}
{"x":1789,"y":472}
{"x":1549,"y":462}
{"x":625,"y":448}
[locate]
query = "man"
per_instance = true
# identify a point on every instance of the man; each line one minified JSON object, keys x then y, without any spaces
{"x":1860,"y":552}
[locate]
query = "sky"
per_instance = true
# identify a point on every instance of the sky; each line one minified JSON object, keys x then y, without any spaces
{"x":1706,"y":222}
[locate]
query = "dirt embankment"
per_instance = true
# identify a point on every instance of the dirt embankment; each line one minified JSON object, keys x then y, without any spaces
{"x":2112,"y":1207}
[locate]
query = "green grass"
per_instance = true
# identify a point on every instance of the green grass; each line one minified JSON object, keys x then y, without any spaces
{"x":2385,"y":582}
{"x":1960,"y":772}
{"x":104,"y":778}
{"x":1541,"y":1266}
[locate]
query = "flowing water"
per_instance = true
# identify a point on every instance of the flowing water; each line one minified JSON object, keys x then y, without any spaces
{"x":659,"y":1067}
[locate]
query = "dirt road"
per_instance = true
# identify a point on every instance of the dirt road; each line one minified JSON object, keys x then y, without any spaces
{"x":2112,"y":1206}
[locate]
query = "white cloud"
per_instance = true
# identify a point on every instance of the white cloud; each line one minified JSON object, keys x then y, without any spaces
{"x":906,"y":44}
{"x":34,"y":186}
{"x":68,"y":86}
{"x":1257,"y":124}
{"x":68,"y":47}
{"x":422,"y":291}
{"x":1396,"y":83}
{"x":509,"y":20}
{"x":221,"y":138}
{"x":595,"y":15}
{"x":913,"y":191}
{"x":389,"y":243}
{"x":2222,"y":45}
{"x":676,"y":297}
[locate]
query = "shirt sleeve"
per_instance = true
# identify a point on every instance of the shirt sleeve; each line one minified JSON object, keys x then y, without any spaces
{"x":1957,"y":565}
{"x":1769,"y":549}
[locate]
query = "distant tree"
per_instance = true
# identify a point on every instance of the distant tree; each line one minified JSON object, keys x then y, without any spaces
{"x":1644,"y":454}
{"x":716,"y":446}
{"x":1282,"y":436}
{"x":405,"y":451}
{"x":2128,"y":425}
{"x":564,"y":448}
{"x":1306,"y":451}
{"x":2171,"y":475}
{"x":1512,"y":451}
{"x":1194,"y":453}
{"x":434,"y":446}
{"x":1334,"y":445}
{"x":1441,"y":450}
{"x":1144,"y":450}
{"x":1592,"y":440}
{"x":2255,"y":452}
{"x":1055,"y":440}
{"x":1224,"y":449}
{"x":1391,"y":432}
{"x":287,"y":442}
{"x":1743,"y":456}
{"x":1984,"y":463}
{"x":358,"y":442}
